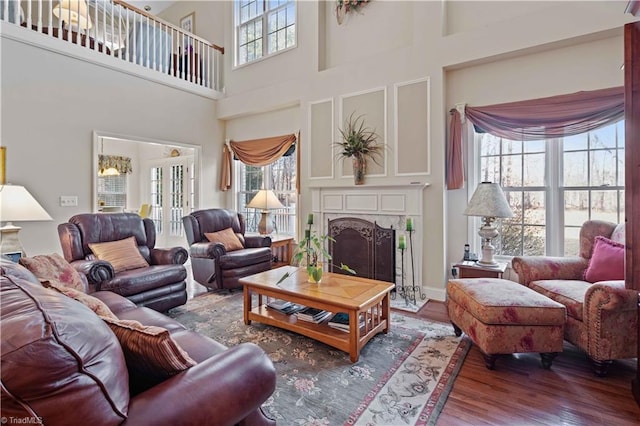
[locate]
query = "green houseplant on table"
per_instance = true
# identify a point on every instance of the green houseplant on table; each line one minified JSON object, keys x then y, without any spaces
{"x":309,"y":254}
{"x":359,"y":143}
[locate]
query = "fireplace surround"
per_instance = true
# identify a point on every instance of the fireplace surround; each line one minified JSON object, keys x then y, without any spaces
{"x":386,"y":206}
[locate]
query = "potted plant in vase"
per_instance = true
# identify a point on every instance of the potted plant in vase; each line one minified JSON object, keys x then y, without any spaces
{"x":309,"y":254}
{"x":361,"y":144}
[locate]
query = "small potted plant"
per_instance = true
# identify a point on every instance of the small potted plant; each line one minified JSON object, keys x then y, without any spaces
{"x":309,"y":254}
{"x":361,"y":144}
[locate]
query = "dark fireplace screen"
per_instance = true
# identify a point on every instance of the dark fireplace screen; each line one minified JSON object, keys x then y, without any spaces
{"x":364,"y":246}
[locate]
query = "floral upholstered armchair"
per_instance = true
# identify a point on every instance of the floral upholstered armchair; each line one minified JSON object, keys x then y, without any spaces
{"x":602,"y":315}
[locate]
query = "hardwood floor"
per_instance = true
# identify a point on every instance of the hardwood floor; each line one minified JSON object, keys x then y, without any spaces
{"x":520,"y":392}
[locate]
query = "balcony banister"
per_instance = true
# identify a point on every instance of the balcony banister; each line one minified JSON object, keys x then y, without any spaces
{"x":168,"y":24}
{"x":125,"y":33}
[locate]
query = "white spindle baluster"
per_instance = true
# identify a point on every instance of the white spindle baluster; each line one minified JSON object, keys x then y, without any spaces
{"x":104,"y":22}
{"x":28,"y":13}
{"x":96,"y":22}
{"x":39,"y":16}
{"x":50,"y":25}
{"x":146,"y":42}
{"x":171,"y":64}
{"x":120,"y":8}
{"x":154,"y":47}
{"x":113,"y":53}
{"x":5,"y":10}
{"x":135,"y":38}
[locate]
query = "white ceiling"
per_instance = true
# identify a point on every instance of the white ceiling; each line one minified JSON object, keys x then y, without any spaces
{"x":157,"y":6}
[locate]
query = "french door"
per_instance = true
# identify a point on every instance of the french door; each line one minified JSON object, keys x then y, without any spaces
{"x":170,"y":189}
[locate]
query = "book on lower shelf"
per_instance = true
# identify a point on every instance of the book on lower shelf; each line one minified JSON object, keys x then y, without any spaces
{"x":340,"y":321}
{"x":285,"y":307}
{"x":314,"y":315}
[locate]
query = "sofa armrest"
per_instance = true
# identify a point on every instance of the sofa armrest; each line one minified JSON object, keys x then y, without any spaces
{"x":257,"y":241}
{"x":207,"y":250}
{"x":226,"y":388}
{"x":610,"y":312}
{"x":535,"y":268}
{"x":96,"y":271}
{"x":169,"y":256}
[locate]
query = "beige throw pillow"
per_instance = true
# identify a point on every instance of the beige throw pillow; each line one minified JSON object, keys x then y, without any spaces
{"x":149,"y":350}
{"x":227,"y":238}
{"x":122,"y":255}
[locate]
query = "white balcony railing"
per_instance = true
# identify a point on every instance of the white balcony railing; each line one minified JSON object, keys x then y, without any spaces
{"x":123,"y":32}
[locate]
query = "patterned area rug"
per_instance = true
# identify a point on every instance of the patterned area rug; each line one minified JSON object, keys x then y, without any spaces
{"x":401,"y":378}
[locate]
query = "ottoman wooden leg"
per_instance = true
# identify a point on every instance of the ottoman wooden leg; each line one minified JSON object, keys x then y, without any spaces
{"x":457,"y":330}
{"x":489,"y":360}
{"x":547,"y":358}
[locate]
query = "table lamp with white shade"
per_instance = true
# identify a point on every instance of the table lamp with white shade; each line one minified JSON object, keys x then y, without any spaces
{"x":265,"y":200}
{"x":488,"y":201}
{"x":17,"y":205}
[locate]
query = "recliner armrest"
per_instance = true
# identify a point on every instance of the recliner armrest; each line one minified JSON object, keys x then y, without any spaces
{"x":535,"y":268}
{"x":256,"y":241}
{"x":207,"y":250}
{"x":221,"y":390}
{"x":169,"y":256}
{"x":96,"y":271}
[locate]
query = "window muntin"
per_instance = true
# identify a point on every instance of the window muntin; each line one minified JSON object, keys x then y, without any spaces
{"x":264,"y":27}
{"x":585,"y":172}
{"x":281,"y":177}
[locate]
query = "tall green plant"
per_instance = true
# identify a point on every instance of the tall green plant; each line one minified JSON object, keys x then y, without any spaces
{"x":359,"y":141}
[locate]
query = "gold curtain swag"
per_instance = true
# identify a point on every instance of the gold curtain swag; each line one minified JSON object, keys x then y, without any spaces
{"x":121,"y":164}
{"x":262,"y":152}
{"x":225,"y":170}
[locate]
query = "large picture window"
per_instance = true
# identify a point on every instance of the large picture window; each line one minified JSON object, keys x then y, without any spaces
{"x":263,"y":27}
{"x":554,"y":186}
{"x":279,"y":176}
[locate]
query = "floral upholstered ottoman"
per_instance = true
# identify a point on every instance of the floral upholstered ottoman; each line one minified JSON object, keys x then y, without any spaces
{"x":504,"y":317}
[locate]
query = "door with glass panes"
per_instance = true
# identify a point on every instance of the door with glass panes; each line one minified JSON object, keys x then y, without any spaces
{"x":170,"y":194}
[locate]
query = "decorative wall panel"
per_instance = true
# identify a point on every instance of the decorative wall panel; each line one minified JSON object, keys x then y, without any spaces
{"x":321,"y":137}
{"x":412,"y":125}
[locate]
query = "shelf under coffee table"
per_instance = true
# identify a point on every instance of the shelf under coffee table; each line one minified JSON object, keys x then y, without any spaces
{"x":358,"y":297}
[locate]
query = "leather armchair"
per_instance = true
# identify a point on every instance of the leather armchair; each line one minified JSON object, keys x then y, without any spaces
{"x":160,"y":286}
{"x":215,"y":267}
{"x":602,"y":317}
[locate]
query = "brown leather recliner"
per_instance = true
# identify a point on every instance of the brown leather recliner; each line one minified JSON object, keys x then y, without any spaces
{"x":62,"y":365}
{"x":212,"y":265}
{"x":161,"y":286}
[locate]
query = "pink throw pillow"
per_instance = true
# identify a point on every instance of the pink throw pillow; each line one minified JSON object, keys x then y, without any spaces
{"x":53,"y":267}
{"x":607,"y":261}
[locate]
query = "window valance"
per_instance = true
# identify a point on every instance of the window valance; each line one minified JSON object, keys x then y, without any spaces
{"x":256,"y":152}
{"x":121,"y":164}
{"x":544,"y":118}
{"x":261,"y":152}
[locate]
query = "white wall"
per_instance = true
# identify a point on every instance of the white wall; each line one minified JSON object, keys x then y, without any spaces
{"x":52,"y":103}
{"x":391,"y":42}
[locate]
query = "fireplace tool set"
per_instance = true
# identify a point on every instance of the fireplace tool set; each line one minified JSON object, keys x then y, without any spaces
{"x":408,"y":292}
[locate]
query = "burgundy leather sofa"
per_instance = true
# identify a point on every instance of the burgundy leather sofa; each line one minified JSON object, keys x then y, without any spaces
{"x":215,"y":267}
{"x":161,"y":286}
{"x":62,"y":364}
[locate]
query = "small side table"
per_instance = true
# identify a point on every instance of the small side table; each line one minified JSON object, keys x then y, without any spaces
{"x":469,"y":269}
{"x":282,"y":249}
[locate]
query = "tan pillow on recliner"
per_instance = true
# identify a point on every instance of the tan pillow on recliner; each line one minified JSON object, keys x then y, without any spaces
{"x":122,"y":254}
{"x":227,"y":238}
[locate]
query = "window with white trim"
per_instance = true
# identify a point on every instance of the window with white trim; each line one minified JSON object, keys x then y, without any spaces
{"x":263,"y":27}
{"x":281,"y":177}
{"x":554,"y":186}
{"x":112,"y":191}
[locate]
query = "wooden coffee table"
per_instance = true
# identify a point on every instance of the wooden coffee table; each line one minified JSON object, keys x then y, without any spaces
{"x":359,"y":297}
